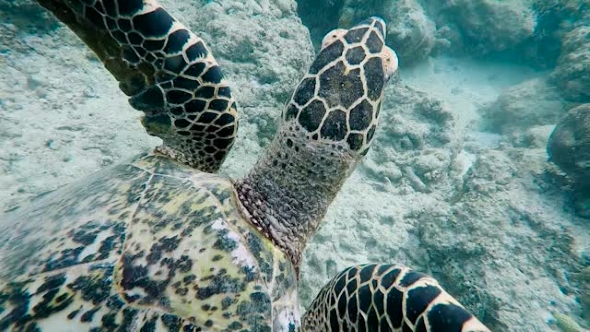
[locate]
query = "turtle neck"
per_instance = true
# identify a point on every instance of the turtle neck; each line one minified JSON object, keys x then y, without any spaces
{"x":288,"y":192}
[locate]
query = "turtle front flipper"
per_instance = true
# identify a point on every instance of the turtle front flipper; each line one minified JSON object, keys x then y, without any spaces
{"x":384,"y":297}
{"x":167,"y":70}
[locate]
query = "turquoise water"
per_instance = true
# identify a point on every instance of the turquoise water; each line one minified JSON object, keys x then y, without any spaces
{"x":459,"y":182}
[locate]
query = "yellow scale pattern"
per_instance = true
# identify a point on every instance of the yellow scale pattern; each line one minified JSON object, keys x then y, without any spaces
{"x":146,"y":244}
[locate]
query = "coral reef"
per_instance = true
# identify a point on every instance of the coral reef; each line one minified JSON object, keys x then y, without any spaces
{"x":416,"y":139}
{"x":572,"y":74}
{"x":521,"y":31}
{"x":486,"y":26}
{"x":531,"y":103}
{"x":569,"y":148}
{"x":409,"y":30}
{"x":554,"y":18}
{"x":583,"y":279}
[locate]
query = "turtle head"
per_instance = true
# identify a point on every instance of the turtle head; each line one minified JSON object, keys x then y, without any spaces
{"x":338,"y":101}
{"x":325,"y":129}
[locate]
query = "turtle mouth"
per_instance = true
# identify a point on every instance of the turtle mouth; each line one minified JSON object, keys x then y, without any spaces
{"x":390,"y":63}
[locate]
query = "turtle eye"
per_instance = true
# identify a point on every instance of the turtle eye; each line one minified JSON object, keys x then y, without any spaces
{"x":390,"y":62}
{"x":332,"y":36}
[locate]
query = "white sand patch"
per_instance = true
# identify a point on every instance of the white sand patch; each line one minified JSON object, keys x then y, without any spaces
{"x":464,"y":84}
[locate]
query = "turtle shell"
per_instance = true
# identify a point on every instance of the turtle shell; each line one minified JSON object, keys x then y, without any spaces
{"x":147,"y":245}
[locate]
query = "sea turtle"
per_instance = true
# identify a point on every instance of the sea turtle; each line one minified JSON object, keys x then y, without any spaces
{"x":162,"y":243}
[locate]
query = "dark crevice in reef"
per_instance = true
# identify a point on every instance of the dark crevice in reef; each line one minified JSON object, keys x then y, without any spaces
{"x":319,"y":17}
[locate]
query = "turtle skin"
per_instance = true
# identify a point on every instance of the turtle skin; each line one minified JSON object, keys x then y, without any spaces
{"x":148,"y":245}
